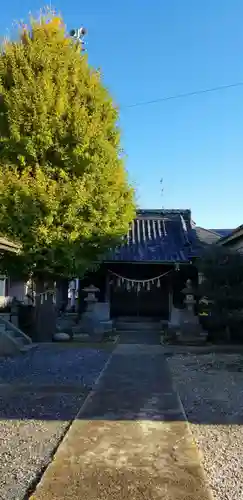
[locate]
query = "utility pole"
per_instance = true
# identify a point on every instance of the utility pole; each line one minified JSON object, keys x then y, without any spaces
{"x":161,"y":188}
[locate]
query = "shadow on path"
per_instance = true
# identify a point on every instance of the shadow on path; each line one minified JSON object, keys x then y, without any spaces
{"x":51,"y":384}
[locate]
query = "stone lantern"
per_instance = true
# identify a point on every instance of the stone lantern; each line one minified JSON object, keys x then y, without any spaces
{"x":189,"y":294}
{"x":190,"y":329}
{"x":92,"y":322}
{"x":89,"y":323}
{"x":91,"y":298}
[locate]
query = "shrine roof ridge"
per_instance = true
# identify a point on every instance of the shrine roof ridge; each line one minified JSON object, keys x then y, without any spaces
{"x":162,"y":212}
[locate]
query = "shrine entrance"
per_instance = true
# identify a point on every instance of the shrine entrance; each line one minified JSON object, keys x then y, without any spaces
{"x":148,"y":297}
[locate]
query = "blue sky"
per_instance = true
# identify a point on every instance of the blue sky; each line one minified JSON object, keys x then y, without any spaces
{"x":148,"y":50}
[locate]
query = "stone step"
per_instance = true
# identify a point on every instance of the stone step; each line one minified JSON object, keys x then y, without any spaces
{"x":21,"y":339}
{"x":28,"y":347}
{"x":125,"y":326}
{"x":191,"y":341}
{"x":137,"y":332}
{"x":14,"y":333}
{"x":12,"y":340}
{"x":100,"y":325}
{"x":86,"y":338}
{"x":136,"y":319}
{"x":69,"y":314}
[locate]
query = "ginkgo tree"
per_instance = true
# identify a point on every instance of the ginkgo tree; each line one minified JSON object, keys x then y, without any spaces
{"x":64,"y":190}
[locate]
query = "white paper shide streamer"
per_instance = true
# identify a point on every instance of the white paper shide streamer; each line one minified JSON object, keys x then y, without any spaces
{"x":131,"y":284}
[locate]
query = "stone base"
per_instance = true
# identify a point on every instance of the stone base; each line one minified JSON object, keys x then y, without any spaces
{"x":61,"y":337}
{"x":189,"y":335}
{"x":66,"y":322}
{"x":107,"y":326}
{"x":101,"y":311}
{"x":85,"y":337}
{"x":93,"y":327}
{"x":184,"y":328}
{"x":191,"y":340}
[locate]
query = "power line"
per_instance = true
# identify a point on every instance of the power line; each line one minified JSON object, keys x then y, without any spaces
{"x":180,"y":96}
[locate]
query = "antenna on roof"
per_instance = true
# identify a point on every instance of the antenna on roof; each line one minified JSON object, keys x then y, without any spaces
{"x":79,"y":34}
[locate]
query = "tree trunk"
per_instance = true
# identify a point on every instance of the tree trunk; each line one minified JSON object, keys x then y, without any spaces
{"x":227,"y":334}
{"x":45,"y":312}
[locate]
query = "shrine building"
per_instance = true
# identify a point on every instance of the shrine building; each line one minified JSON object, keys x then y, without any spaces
{"x":145,"y":275}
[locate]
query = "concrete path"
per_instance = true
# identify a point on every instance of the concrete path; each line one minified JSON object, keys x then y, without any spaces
{"x":130,"y":440}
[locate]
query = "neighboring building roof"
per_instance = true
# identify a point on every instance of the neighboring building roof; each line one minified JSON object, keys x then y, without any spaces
{"x":158,"y":236}
{"x":206,"y":236}
{"x":8,"y":245}
{"x":233,"y":236}
{"x":222,"y":232}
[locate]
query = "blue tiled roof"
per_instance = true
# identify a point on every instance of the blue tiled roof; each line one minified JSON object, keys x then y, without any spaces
{"x":158,"y":236}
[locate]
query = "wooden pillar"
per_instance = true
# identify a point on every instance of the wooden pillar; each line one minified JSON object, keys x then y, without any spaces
{"x":107,"y":304}
{"x":170,"y":302}
{"x":45,"y":312}
{"x":107,"y":287}
{"x":14,"y":313}
{"x":201,"y":278}
{"x":170,"y":296}
{"x":62,"y":294}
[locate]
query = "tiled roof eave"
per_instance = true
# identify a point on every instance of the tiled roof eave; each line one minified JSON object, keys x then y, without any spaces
{"x":169,"y":262}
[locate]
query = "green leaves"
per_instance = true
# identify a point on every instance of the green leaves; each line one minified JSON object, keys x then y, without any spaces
{"x":57,"y":108}
{"x":63,"y":187}
{"x":223,"y":272}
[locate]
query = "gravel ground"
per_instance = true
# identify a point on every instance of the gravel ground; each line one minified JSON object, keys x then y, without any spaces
{"x":54,"y":365}
{"x":33,"y":421}
{"x":211,"y":390}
